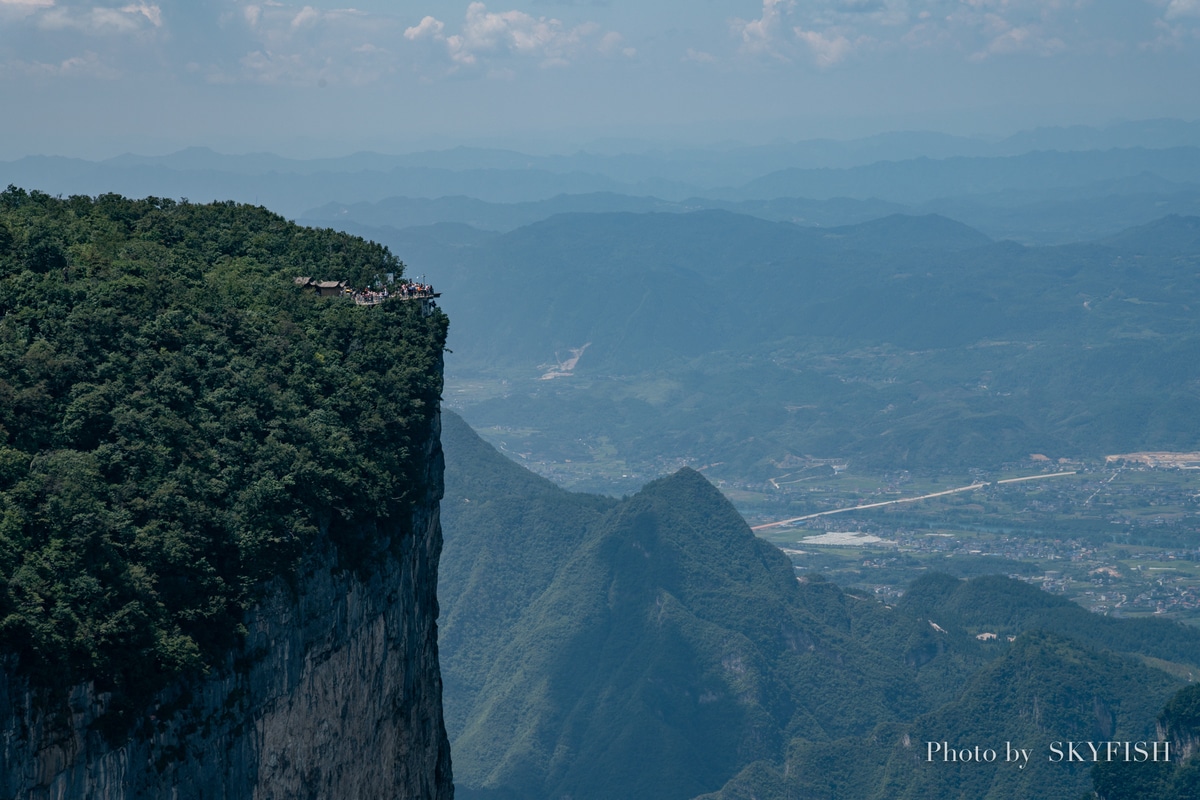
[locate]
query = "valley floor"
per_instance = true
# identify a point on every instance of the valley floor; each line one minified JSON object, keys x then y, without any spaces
{"x":1118,"y":539}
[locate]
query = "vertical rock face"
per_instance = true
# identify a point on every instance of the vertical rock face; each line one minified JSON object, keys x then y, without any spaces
{"x":335,"y":693}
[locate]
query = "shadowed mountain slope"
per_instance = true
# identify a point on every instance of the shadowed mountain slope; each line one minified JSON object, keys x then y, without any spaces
{"x":1042,"y":689}
{"x":652,"y":647}
{"x":669,"y":648}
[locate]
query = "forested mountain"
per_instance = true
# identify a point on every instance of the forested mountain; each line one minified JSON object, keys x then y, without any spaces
{"x":661,"y":647}
{"x":654,"y":647}
{"x":714,"y":280}
{"x":904,"y":342}
{"x":650,"y":290}
{"x":178,"y":420}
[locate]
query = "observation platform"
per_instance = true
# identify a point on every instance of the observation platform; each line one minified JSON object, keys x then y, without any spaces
{"x":374,"y":301}
{"x":403,"y":291}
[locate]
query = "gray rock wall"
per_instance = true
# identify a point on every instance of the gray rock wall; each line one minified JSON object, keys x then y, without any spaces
{"x":335,"y":693}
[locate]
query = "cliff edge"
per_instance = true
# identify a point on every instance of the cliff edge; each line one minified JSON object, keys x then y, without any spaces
{"x":219,"y":510}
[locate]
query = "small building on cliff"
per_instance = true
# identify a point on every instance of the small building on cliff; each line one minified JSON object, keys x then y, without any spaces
{"x":323,"y":288}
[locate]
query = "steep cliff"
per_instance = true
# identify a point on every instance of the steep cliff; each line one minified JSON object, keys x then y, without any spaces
{"x":335,"y":693}
{"x":219,"y":510}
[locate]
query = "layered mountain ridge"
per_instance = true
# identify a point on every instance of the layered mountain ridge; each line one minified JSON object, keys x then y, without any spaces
{"x":659,"y":649}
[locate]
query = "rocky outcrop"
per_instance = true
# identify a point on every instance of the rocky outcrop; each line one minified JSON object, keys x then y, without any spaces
{"x":335,"y":693}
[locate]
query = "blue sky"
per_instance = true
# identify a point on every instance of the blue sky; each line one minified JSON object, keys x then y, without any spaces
{"x":96,"y":79}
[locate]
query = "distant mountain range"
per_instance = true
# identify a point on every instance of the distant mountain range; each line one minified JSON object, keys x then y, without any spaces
{"x":1060,"y":216}
{"x":1012,"y":187}
{"x":924,"y":179}
{"x":1041,"y":197}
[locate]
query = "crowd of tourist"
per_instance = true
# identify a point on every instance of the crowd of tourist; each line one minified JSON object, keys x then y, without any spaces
{"x":405,"y":291}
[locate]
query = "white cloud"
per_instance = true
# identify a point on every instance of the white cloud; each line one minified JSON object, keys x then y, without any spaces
{"x":1171,"y":36}
{"x":488,"y":34}
{"x":612,"y":43}
{"x":152,"y":13}
{"x":980,"y":30}
{"x":299,"y":41}
{"x":428,"y":27}
{"x":830,"y":32}
{"x":302,"y":45}
{"x":1007,"y":39}
{"x":758,"y":35}
{"x":101,"y":21}
{"x":827,"y":49}
{"x":306,"y":16}
{"x":827,"y":32}
{"x":13,"y":12}
{"x":50,"y":39}
{"x":1182,"y":8}
{"x":485,"y":32}
{"x":88,"y":65}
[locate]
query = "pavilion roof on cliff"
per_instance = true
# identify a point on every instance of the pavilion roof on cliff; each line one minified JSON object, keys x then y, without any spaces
{"x":305,"y":281}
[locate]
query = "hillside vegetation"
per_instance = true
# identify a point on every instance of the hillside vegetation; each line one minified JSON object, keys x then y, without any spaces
{"x":653,"y":647}
{"x":903,"y":343}
{"x":178,"y":421}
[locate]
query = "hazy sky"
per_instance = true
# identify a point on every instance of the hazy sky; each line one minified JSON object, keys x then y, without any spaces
{"x":94,"y":78}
